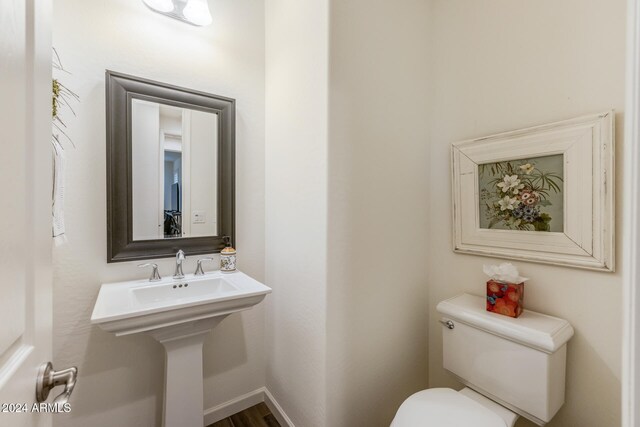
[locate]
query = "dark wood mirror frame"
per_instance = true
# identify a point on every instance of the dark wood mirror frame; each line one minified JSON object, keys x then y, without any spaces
{"x":121,"y":89}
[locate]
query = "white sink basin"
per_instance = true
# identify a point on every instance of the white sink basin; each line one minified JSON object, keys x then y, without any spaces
{"x":138,"y":306}
{"x":167,"y":293}
{"x":179,"y":314}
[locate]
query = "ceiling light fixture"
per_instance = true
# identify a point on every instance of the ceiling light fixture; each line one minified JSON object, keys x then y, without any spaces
{"x":194,"y":12}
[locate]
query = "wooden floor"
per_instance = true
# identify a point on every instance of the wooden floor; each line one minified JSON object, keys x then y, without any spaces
{"x":256,"y":416}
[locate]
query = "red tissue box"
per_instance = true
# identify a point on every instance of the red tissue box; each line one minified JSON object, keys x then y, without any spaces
{"x":505,"y":298}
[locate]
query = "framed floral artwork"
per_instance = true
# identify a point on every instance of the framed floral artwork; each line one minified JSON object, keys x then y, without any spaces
{"x":543,"y":194}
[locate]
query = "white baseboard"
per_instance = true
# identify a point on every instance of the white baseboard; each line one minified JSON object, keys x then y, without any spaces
{"x":239,"y":404}
{"x":233,"y":406}
{"x":276,"y":410}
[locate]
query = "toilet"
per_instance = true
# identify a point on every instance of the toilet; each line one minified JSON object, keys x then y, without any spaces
{"x":510,"y":367}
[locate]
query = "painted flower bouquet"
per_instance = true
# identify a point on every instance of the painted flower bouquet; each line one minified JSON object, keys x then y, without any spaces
{"x":516,"y":193}
{"x":505,"y":290}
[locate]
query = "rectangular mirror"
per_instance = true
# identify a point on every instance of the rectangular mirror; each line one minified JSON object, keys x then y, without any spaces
{"x":170,"y":169}
{"x":174,"y":159}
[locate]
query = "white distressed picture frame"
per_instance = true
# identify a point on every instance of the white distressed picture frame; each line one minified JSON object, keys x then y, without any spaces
{"x":587,"y":240}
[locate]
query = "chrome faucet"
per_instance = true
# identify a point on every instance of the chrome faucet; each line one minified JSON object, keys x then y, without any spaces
{"x":178,"y":274}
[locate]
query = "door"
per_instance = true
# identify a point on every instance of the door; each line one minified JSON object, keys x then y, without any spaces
{"x":25,"y":199}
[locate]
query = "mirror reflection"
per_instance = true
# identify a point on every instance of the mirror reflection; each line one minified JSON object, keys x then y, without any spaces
{"x":174,"y":171}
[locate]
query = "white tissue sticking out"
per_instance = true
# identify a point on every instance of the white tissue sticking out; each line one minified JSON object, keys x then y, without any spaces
{"x":505,"y":272}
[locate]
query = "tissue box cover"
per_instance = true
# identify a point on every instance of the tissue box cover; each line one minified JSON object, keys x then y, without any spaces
{"x":505,"y":298}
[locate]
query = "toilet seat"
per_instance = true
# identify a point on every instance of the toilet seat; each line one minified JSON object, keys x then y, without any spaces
{"x":444,"y":407}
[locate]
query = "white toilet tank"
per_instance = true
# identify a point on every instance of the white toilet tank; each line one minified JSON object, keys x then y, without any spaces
{"x":519,"y":363}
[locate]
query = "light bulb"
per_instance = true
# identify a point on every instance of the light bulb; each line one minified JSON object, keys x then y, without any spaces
{"x":160,"y":5}
{"x":197,"y":12}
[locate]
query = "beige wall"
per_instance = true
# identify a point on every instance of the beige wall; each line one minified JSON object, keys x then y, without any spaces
{"x":378,"y":209}
{"x":120,"y":380}
{"x":296,"y":206}
{"x":347,"y":329}
{"x":500,"y":65}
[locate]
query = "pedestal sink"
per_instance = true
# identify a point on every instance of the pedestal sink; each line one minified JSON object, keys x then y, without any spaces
{"x":179,"y":314}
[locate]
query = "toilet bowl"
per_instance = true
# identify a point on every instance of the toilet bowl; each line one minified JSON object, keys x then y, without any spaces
{"x":445,"y":407}
{"x":511,"y":367}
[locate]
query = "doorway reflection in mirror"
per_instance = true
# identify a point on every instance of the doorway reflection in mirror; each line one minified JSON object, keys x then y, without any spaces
{"x":174,"y":166}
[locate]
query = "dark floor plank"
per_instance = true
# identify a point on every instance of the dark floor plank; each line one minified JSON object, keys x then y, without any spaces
{"x":271,"y":421}
{"x":248,"y":418}
{"x":223,"y":423}
{"x":256,"y":416}
{"x":263,"y":409}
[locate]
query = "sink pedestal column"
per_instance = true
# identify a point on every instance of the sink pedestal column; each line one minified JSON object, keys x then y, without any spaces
{"x":183,"y":389}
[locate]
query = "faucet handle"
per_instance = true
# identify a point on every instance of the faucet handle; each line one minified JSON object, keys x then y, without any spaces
{"x":155,"y":276}
{"x":199,"y":270}
{"x":178,"y":274}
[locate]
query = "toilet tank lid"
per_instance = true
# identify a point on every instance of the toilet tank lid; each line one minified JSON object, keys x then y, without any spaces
{"x":535,"y":330}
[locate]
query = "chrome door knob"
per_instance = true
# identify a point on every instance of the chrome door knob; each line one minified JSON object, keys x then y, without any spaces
{"x":48,"y":379}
